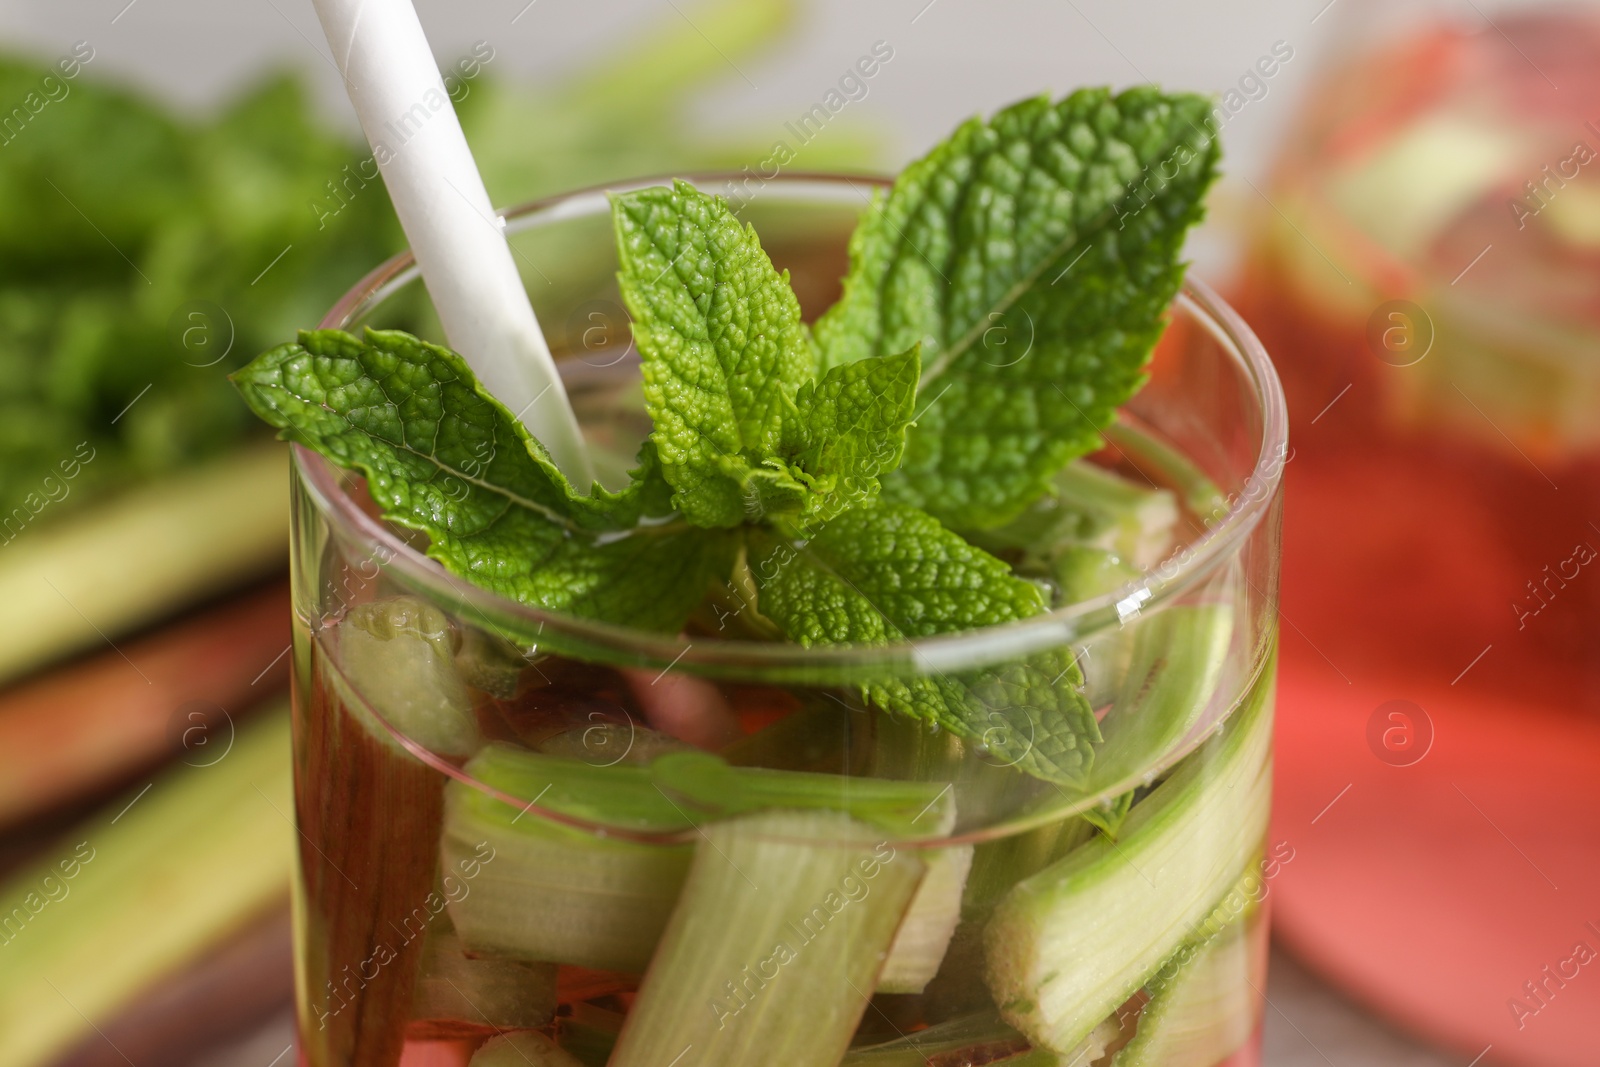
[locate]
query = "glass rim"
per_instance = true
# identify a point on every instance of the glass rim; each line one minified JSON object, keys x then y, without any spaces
{"x":1188,"y":564}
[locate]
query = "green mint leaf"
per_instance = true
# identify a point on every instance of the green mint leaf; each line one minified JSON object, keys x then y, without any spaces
{"x":849,"y":428}
{"x":1109,"y":819}
{"x":1033,"y":257}
{"x":723,"y":348}
{"x":442,"y":456}
{"x":887,"y":572}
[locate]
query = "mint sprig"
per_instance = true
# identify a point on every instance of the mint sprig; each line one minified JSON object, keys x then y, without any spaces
{"x":888,"y":572}
{"x":1033,"y":257}
{"x":442,"y":456}
{"x":723,"y":347}
{"x":849,"y":429}
{"x":744,"y":432}
{"x":795,"y":460}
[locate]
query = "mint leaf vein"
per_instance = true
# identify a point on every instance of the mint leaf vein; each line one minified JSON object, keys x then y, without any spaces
{"x":1097,"y":188}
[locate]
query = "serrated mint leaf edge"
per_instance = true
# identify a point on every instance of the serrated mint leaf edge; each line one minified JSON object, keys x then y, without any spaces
{"x":1206,"y":145}
{"x":687,"y":467}
{"x":602,"y":509}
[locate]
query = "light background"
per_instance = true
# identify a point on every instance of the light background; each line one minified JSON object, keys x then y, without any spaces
{"x":952,"y":59}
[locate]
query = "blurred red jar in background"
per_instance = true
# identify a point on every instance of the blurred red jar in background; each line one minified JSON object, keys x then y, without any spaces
{"x":1429,"y":272}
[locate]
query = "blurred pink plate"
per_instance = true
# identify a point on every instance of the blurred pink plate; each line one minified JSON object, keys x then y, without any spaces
{"x":1446,"y":866}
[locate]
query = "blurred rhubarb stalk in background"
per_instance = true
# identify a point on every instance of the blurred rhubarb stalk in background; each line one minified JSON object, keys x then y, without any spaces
{"x":142,"y":889}
{"x":146,"y":511}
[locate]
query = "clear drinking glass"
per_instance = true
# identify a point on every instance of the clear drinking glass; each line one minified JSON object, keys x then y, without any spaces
{"x":508,"y":825}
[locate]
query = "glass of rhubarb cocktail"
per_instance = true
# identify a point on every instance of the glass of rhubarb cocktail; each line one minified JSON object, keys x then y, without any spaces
{"x":527,"y":836}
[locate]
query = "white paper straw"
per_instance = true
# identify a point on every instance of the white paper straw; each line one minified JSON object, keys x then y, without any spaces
{"x":460,"y":244}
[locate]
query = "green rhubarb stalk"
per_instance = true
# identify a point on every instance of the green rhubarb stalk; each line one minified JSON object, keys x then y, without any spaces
{"x":565,"y":894}
{"x":527,"y":1049}
{"x":1109,"y":511}
{"x":460,"y":995}
{"x":1177,"y":661}
{"x":1002,"y":863}
{"x":979,"y":1037}
{"x":1109,"y":532}
{"x":554,"y":892}
{"x":775,"y":945}
{"x":652,"y":69}
{"x":985,"y":788}
{"x":976,"y":1037}
{"x":192,"y":535}
{"x":398,"y":654}
{"x":1087,"y":506}
{"x":1206,"y":991}
{"x":997,"y":865}
{"x":1172,"y":668}
{"x":909,"y":809}
{"x":558,"y":894}
{"x":1109,"y":815}
{"x":1205,"y":1002}
{"x":708,"y":788}
{"x":1093,"y":533}
{"x":1190,"y":484}
{"x":160,"y":874}
{"x":605,"y":744}
{"x":924,"y":937}
{"x":1071,"y":943}
{"x":80,"y":728}
{"x":1082,"y":572}
{"x":984,"y":791}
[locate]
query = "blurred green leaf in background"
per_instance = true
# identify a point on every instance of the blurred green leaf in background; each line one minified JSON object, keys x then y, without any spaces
{"x":145,"y":254}
{"x":123,"y":215}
